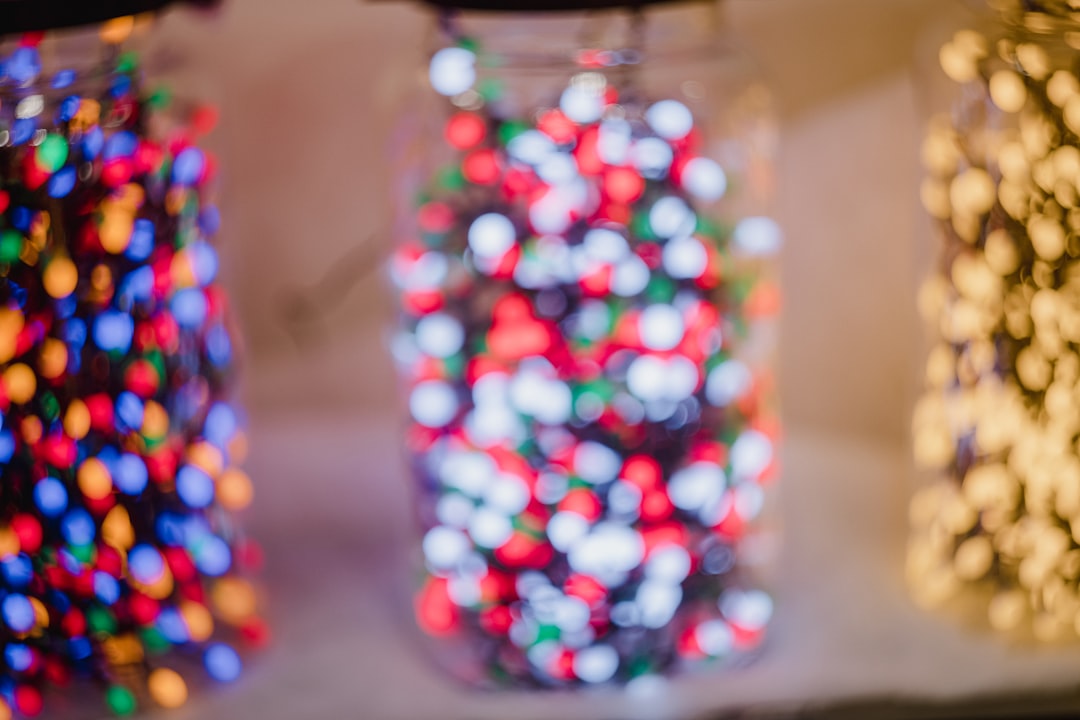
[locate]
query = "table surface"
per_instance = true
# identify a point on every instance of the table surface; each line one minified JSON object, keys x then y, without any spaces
{"x":335,"y":522}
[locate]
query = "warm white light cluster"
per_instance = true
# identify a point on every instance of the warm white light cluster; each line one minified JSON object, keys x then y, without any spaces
{"x":1000,"y":416}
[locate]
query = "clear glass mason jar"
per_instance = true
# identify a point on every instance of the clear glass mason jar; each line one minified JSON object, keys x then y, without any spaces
{"x":586,"y":331}
{"x":997,"y":423}
{"x":119,"y":443}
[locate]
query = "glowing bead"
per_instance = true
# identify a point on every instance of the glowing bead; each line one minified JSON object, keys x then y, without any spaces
{"x":20,"y":383}
{"x":751,"y":453}
{"x":433,"y":403}
{"x":758,"y":236}
{"x":50,"y":496}
{"x":116,"y":529}
{"x":452,"y":71}
{"x":714,"y":637}
{"x":28,"y":700}
{"x":155,"y":422}
{"x":596,"y":664}
{"x":596,"y":463}
{"x":194,"y":487}
{"x":199,"y":623}
{"x":61,"y":277}
{"x":206,"y":457}
{"x":489,"y":528}
{"x":445,"y":547}
{"x":465,"y":130}
{"x":221,"y":424}
{"x":439,"y":335}
{"x":694,"y":487}
{"x":188,"y":166}
{"x":115,"y":231}
{"x":671,"y":217}
{"x":565,"y":529}
{"x":146,"y":564}
{"x":18,"y":657}
{"x":234,"y":599}
{"x":670,"y":119}
{"x":531,"y":146}
{"x":11,"y":324}
{"x":53,"y":359}
{"x":167,"y":688}
{"x":52,"y":153}
{"x":213,"y":557}
{"x":234,"y":490}
{"x":114,"y":331}
{"x":1007,"y":91}
{"x":78,"y":527}
{"x":18,"y":613}
{"x":652,"y":157}
{"x":749,"y":610}
{"x":189,"y":307}
{"x":491,"y":235}
{"x":726,"y":382}
{"x":607,"y":553}
{"x":24,"y":64}
{"x":120,"y":700}
{"x":685,"y":258}
{"x":704,"y":179}
{"x":583,"y":100}
{"x":106,"y":588}
{"x":129,"y":410}
{"x":93,"y":479}
{"x":661,"y":327}
{"x":130,"y":474}
{"x":9,"y":543}
{"x":222,"y":663}
{"x":41,"y":613}
{"x":141,"y":242}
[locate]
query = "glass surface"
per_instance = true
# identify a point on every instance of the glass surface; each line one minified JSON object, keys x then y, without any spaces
{"x":119,"y":444}
{"x":997,"y":424}
{"x":585,"y":343}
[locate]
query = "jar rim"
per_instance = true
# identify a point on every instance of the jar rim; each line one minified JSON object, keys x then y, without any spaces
{"x":551,"y":6}
{"x":629,"y":35}
{"x":20,"y":16}
{"x":1041,"y":17}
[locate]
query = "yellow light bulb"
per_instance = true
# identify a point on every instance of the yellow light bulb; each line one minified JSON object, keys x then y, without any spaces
{"x":167,"y":688}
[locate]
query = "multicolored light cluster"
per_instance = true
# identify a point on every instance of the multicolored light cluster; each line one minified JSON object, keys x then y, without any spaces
{"x":118,"y":446}
{"x":999,"y":418}
{"x":588,"y":444}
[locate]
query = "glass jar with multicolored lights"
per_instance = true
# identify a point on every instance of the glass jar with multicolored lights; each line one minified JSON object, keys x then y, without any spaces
{"x":587,"y":317}
{"x":998,"y":423}
{"x":120,"y":561}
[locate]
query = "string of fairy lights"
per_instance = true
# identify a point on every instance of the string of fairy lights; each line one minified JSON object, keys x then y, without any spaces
{"x":589,"y":447}
{"x":999,"y":418}
{"x":119,"y":446}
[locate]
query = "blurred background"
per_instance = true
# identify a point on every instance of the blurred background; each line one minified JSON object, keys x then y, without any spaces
{"x":310,"y":92}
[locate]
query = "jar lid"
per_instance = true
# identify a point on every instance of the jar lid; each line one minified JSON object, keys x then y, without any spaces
{"x":18,"y":16}
{"x":548,"y":5}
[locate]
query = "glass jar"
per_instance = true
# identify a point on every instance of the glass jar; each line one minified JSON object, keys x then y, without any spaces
{"x":119,"y":444}
{"x":998,"y":421}
{"x":586,"y":332}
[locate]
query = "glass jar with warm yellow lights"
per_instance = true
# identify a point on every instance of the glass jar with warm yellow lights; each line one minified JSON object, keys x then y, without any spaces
{"x":998,"y":422}
{"x":585,"y":339}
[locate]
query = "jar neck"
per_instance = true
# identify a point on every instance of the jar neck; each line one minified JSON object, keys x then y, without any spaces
{"x":1039,"y":17}
{"x":586,"y":39}
{"x":65,"y":61}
